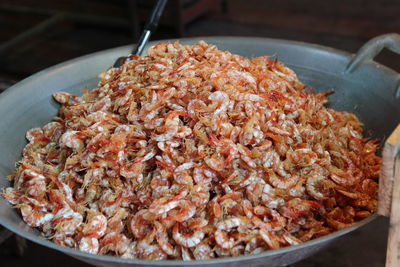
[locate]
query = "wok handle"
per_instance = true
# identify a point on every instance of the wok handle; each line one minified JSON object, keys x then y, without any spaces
{"x":389,"y":195}
{"x":373,"y":47}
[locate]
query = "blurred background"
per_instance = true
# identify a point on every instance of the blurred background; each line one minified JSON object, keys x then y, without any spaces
{"x":37,"y":34}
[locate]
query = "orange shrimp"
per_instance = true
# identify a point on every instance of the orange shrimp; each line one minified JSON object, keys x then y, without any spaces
{"x":109,"y":202}
{"x":162,"y":240}
{"x":296,"y":207}
{"x":223,"y":240}
{"x":34,"y":217}
{"x":116,"y":223}
{"x":185,"y":212}
{"x":96,"y":226}
{"x":203,"y":252}
{"x":139,"y":226}
{"x":66,"y":221}
{"x":72,"y":139}
{"x":89,"y":245}
{"x":282,"y":182}
{"x":187,"y":241}
{"x":163,"y":205}
{"x":215,"y":162}
{"x":117,"y":243}
{"x":220,"y":100}
{"x":319,"y":187}
{"x":348,"y":177}
{"x":270,"y":239}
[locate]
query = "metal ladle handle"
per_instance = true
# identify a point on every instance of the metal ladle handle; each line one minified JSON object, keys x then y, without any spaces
{"x":150,"y":27}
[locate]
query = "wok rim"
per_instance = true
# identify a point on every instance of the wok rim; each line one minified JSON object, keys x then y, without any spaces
{"x":18,"y":88}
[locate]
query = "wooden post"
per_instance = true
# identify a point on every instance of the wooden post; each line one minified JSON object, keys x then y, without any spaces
{"x":393,"y":248}
{"x":389,"y":195}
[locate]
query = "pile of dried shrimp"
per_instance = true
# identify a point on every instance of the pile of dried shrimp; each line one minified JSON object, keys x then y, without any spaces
{"x":194,"y":153}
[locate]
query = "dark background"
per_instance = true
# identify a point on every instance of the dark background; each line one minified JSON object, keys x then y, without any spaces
{"x":35,"y":35}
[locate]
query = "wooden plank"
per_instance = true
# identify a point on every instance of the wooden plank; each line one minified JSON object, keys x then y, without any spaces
{"x":386,"y":183}
{"x":389,"y":195}
{"x":393,"y":248}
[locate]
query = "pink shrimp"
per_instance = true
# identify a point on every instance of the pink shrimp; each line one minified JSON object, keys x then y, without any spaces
{"x":132,"y":170}
{"x":93,"y":176}
{"x":251,"y":133}
{"x":296,"y":207}
{"x":303,"y":157}
{"x":89,"y":245}
{"x":216,"y":207}
{"x":172,"y":123}
{"x":11,"y":195}
{"x":138,"y":225}
{"x":186,"y":211}
{"x":291,"y":240}
{"x":162,"y":240}
{"x":163,"y":205}
{"x":269,"y":239}
{"x":53,"y":131}
{"x":117,"y":243}
{"x":63,"y":240}
{"x":186,"y":254}
{"x":246,"y":155}
{"x":116,"y":223}
{"x":199,"y":177}
{"x":345,"y":178}
{"x":34,"y":217}
{"x":319,"y":187}
{"x":195,"y":106}
{"x":348,"y":177}
{"x":270,"y":159}
{"x":245,"y":97}
{"x":90,"y":194}
{"x":185,"y":166}
{"x":187,"y":241}
{"x":232,"y":223}
{"x":63,"y":97}
{"x":109,"y":202}
{"x":66,"y":220}
{"x":34,"y":182}
{"x":282,"y":182}
{"x":215,"y":162}
{"x":220,"y":101}
{"x":101,"y":104}
{"x":203,"y":252}
{"x":197,"y":223}
{"x":221,"y":237}
{"x":72,"y":139}
{"x":96,"y":226}
{"x":248,"y":208}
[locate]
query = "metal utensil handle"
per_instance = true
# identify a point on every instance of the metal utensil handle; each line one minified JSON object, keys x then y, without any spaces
{"x":389,"y":195}
{"x":150,"y":27}
{"x":372,"y":48}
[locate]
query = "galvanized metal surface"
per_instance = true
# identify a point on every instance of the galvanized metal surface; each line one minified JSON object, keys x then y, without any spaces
{"x":368,"y":91}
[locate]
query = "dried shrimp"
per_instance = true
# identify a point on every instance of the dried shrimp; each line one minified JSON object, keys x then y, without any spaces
{"x":194,"y":153}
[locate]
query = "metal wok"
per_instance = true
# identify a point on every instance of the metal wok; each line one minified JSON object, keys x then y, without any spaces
{"x":366,"y":88}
